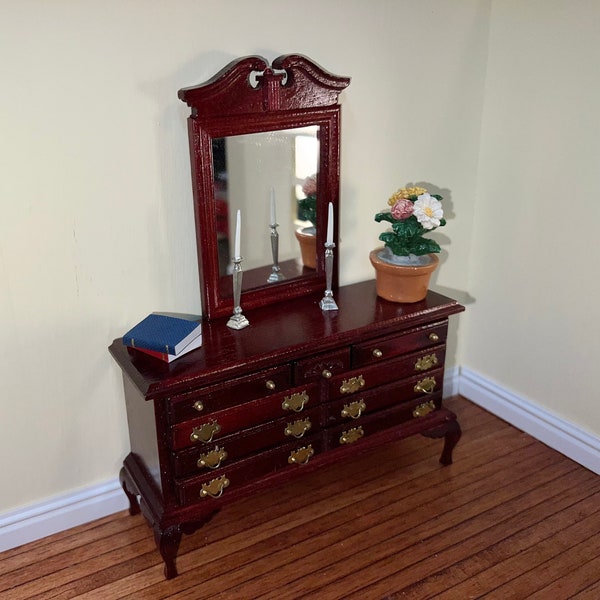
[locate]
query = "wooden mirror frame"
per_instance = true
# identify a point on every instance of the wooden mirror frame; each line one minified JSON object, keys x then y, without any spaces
{"x":293,"y":92}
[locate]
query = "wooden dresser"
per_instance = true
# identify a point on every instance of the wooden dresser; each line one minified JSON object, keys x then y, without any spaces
{"x":296,"y":390}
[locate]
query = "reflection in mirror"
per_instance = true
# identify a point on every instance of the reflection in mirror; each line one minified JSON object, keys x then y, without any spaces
{"x":251,"y":169}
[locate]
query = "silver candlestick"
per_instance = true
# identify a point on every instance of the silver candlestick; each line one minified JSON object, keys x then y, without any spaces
{"x":328,"y":303}
{"x":237,"y":320}
{"x":276,"y":274}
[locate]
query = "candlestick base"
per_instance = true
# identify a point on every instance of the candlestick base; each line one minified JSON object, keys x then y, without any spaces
{"x":238,"y":321}
{"x":327,"y":302}
{"x":276,"y":275}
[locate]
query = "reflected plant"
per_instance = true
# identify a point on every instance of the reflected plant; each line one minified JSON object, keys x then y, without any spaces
{"x":307,"y":207}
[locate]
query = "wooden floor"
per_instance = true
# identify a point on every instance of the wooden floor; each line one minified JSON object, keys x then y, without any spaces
{"x":510,"y":518}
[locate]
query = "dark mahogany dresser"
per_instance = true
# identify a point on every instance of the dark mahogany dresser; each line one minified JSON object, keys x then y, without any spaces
{"x":299,"y":389}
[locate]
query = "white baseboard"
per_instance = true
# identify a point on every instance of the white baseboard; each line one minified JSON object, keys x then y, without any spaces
{"x":451,"y":382}
{"x":69,"y":510}
{"x":553,"y":431}
{"x":37,"y":521}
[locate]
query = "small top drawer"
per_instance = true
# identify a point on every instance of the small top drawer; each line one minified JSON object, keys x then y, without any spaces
{"x":235,"y":391}
{"x":381,"y":349}
{"x":323,"y":366}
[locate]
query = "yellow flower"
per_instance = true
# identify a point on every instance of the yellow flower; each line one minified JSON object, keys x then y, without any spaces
{"x":406,"y":193}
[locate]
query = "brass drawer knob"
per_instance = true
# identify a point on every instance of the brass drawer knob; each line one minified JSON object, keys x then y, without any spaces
{"x":423,"y":409}
{"x":301,"y":456}
{"x":426,"y":362}
{"x":298,"y":428}
{"x":295,"y":402}
{"x":270,"y":384}
{"x":212,"y":459}
{"x":377,"y":353}
{"x":352,"y":435}
{"x":198,"y":406}
{"x":434,"y":337}
{"x":425,"y":386}
{"x":326,"y":373}
{"x":354,"y":409}
{"x":214,"y":488}
{"x":205,"y":432}
{"x":352,"y":385}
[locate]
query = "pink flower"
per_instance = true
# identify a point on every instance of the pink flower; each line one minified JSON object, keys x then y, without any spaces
{"x":402,"y":209}
{"x":309,"y":187}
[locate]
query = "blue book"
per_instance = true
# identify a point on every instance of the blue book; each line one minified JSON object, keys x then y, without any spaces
{"x":163,"y":333}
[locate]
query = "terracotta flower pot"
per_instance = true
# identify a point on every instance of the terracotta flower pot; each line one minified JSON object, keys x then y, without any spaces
{"x":308,"y":246}
{"x":400,"y":283}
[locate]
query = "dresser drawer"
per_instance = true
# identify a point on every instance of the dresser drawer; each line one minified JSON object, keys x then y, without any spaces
{"x":368,"y":377}
{"x":349,"y":410}
{"x":223,"y":395}
{"x":381,"y":349}
{"x":213,"y":485}
{"x":218,"y":424}
{"x":212,"y":457}
{"x":322,"y":366}
{"x":352,"y":433}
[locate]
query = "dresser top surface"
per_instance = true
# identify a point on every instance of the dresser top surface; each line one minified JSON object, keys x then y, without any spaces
{"x":277,"y":334}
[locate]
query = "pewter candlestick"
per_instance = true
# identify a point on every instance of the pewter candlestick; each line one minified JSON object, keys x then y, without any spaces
{"x":327,"y":302}
{"x":276,"y":274}
{"x":237,"y":320}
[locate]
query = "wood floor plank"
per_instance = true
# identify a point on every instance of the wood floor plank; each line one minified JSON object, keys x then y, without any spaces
{"x":562,"y":571}
{"x":335,"y":526}
{"x":510,"y":518}
{"x":505,"y":557}
{"x":408,"y":511}
{"x":473,"y":515}
{"x":273,"y":529}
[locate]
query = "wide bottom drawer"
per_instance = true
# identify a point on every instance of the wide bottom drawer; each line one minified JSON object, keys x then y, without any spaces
{"x":217,"y":483}
{"x":352,"y":433}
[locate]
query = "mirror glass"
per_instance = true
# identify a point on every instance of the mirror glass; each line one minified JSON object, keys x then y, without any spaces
{"x":265,"y":175}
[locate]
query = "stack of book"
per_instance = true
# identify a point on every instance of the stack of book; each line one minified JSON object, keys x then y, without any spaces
{"x":166,"y":336}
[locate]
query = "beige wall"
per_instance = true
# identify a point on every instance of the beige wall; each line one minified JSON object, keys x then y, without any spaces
{"x":96,"y":223}
{"x":534,"y":258}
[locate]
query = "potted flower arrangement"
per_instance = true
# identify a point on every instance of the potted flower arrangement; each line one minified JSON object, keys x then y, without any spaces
{"x":307,"y":211}
{"x":403,"y":267}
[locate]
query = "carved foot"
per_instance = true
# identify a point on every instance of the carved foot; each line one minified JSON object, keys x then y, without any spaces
{"x":129,"y":489}
{"x":450,"y":431}
{"x":167,"y":541}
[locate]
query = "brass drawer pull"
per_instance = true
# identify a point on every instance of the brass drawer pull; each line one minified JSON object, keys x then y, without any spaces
{"x":326,"y":373}
{"x":214,"y":488}
{"x":298,"y":428}
{"x":198,"y":406}
{"x":354,"y":409}
{"x":425,"y":386}
{"x":212,"y":459}
{"x":270,"y":384}
{"x":295,"y":402}
{"x":426,"y":362}
{"x":352,"y":435}
{"x":205,"y":432}
{"x":424,"y":409}
{"x":377,"y":353}
{"x":434,"y":337}
{"x":352,"y":385}
{"x":301,"y":456}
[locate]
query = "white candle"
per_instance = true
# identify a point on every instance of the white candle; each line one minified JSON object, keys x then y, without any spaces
{"x":238,"y":225}
{"x":330,"y":224}
{"x":273,"y":218}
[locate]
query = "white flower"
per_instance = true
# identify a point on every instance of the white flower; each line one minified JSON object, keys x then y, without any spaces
{"x":428,"y":211}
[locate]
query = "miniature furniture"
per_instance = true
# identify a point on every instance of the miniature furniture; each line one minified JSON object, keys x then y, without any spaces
{"x":299,"y":388}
